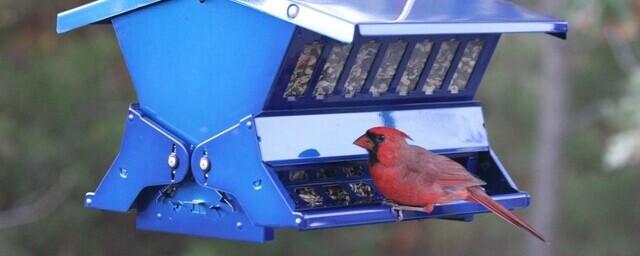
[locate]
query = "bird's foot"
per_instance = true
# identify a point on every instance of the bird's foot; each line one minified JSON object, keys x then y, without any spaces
{"x":399,"y":209}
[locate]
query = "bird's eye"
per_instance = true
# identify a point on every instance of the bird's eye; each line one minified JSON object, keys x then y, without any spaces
{"x":379,"y":138}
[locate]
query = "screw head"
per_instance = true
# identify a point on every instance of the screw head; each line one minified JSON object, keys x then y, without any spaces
{"x":239,"y":225}
{"x":130,"y":116}
{"x":257,"y":184}
{"x":205,"y":165}
{"x":173,"y":161}
{"x":124,"y":173}
{"x":292,"y":11}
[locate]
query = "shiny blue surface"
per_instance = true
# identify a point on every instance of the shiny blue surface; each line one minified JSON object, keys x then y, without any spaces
{"x":340,"y":19}
{"x":447,"y":130}
{"x":420,"y":17}
{"x":237,"y":170}
{"x":199,"y":211}
{"x":197,"y":68}
{"x":141,"y":163}
{"x":362,"y":215}
{"x":96,"y":12}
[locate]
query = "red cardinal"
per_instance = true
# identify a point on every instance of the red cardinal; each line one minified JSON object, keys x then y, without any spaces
{"x":417,"y":179}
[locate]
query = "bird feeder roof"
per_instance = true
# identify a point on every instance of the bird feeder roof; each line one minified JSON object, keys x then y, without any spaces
{"x":340,"y":19}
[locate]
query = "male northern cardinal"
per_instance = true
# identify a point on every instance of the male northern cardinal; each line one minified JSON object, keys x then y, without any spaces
{"x":417,"y":179}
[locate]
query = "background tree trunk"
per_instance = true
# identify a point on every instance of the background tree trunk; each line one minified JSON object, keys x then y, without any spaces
{"x":548,"y":167}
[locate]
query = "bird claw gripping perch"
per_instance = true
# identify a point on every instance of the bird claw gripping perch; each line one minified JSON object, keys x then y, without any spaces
{"x":398,"y":209}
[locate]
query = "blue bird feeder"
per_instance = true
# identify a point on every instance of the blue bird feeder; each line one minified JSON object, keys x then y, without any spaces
{"x":247,"y":108}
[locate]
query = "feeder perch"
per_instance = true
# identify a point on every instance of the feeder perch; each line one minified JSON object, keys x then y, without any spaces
{"x":247,"y":109}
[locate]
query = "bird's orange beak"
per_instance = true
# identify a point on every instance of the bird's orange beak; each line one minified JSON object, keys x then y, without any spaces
{"x":364,"y":142}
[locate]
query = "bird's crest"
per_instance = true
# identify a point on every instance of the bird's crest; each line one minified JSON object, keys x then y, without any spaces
{"x":388,"y":131}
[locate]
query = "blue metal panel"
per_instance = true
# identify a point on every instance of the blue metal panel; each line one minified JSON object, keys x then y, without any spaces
{"x":197,"y":68}
{"x":96,"y":12}
{"x":235,"y":168}
{"x":362,"y":215}
{"x":339,"y":19}
{"x":195,"y":210}
{"x":555,"y":27}
{"x":142,"y":162}
{"x":452,"y":129}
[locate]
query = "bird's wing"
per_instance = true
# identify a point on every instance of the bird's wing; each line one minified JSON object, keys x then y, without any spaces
{"x":445,"y":171}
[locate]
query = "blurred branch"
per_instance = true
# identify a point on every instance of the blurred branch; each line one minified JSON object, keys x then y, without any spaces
{"x":40,"y":208}
{"x":553,"y":97}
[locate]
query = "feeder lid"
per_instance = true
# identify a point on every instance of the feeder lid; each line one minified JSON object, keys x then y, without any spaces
{"x":339,"y":19}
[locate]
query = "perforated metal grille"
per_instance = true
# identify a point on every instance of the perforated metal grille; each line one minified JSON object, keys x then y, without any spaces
{"x":466,"y":65}
{"x":326,"y":71}
{"x":317,"y":187}
{"x":441,"y":66}
{"x":388,"y":68}
{"x":332,"y":70}
{"x":360,"y":70}
{"x":303,"y":71}
{"x":414,"y":67}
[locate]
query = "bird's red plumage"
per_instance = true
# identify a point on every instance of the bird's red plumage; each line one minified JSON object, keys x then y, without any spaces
{"x":411,"y":175}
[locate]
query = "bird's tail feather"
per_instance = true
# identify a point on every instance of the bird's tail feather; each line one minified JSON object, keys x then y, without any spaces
{"x":477,"y":194}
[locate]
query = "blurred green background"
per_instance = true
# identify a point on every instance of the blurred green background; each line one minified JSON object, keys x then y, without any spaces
{"x":62,"y":100}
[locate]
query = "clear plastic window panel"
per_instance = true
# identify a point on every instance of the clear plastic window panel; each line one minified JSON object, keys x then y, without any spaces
{"x":414,"y":67}
{"x":360,"y":69}
{"x":332,"y":70}
{"x":465,"y":66}
{"x":441,"y":66}
{"x":387,"y":70}
{"x":303,"y":71}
